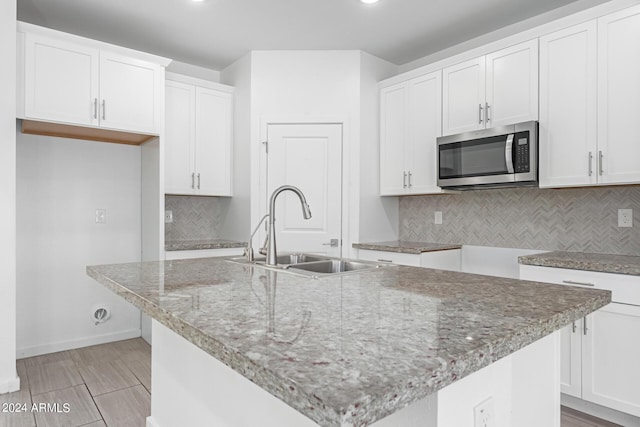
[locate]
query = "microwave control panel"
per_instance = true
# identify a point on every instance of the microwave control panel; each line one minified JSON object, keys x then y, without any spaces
{"x":521,"y":161}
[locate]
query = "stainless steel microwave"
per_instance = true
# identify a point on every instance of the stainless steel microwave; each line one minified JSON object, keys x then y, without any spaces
{"x":505,"y":156}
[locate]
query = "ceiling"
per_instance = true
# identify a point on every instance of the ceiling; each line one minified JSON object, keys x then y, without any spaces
{"x":215,"y":33}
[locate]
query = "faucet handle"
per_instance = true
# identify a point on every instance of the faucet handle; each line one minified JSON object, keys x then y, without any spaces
{"x":263,"y":249}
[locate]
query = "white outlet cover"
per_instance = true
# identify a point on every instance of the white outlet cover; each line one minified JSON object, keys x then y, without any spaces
{"x":625,"y":217}
{"x":101,"y":216}
{"x":483,"y":415}
{"x":168,"y":217}
{"x":437,"y":218}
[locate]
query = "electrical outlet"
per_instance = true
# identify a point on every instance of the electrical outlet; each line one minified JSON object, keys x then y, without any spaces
{"x":168,"y":217}
{"x":483,"y":415}
{"x":101,"y":216}
{"x":625,"y":217}
{"x":437,"y":218}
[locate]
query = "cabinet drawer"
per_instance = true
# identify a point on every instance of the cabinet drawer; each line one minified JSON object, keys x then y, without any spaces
{"x":392,"y":257}
{"x":624,"y":289}
{"x":202,"y":253}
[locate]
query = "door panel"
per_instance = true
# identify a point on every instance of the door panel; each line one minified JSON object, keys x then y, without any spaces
{"x":307,"y":156}
{"x":178,"y":138}
{"x":463,"y":96}
{"x":571,"y":359}
{"x":393,"y":139}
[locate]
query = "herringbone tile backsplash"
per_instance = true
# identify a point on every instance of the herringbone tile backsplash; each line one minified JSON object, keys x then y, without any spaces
{"x":195,"y":218}
{"x":578,"y":219}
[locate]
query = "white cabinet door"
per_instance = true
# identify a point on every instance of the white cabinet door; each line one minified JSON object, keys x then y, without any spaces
{"x":571,"y":359}
{"x":424,"y":126}
{"x":619,"y":97}
{"x":567,"y":131}
{"x":611,"y":351}
{"x":130,"y":94}
{"x":179,"y":138}
{"x":512,"y":85}
{"x":213,"y":117}
{"x":390,"y":257}
{"x":463,"y":97}
{"x":61,"y":81}
{"x":393,"y":137}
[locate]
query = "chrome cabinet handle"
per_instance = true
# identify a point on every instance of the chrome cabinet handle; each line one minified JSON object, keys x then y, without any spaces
{"x":600,"y":156}
{"x":573,"y":327}
{"x":198,"y":180}
{"x":409,"y":174}
{"x":571,"y":282}
{"x":404,"y":180}
{"x":193,"y":180}
{"x":333,"y":243}
{"x":479,"y":114}
{"x":590,"y":163}
{"x":104,"y":110}
{"x":95,"y":108}
{"x":486,"y":111}
{"x":384,"y":260}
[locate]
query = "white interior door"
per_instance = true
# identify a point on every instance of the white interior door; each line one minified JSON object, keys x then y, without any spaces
{"x":307,"y":156}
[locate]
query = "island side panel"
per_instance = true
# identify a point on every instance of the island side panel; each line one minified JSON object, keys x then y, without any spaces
{"x":191,"y":388}
{"x":524,"y":388}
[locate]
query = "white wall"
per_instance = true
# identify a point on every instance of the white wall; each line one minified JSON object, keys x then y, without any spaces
{"x":193,"y":71}
{"x":8,"y":378}
{"x":378,"y":216}
{"x":60,"y":184}
{"x":237,"y":222}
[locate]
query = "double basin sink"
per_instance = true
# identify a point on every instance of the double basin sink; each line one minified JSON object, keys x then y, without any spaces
{"x":309,"y":265}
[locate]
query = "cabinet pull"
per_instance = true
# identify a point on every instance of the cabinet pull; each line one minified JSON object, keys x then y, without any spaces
{"x":571,"y":282}
{"x":590,"y":163}
{"x":404,"y":180}
{"x":198,"y":180}
{"x":573,"y":328}
{"x":486,"y":111}
{"x":104,"y":110}
{"x":193,"y":180}
{"x":584,"y":326}
{"x":480,"y":114}
{"x":410,"y":179}
{"x":95,"y":108}
{"x":384,"y":260}
{"x":600,"y":156}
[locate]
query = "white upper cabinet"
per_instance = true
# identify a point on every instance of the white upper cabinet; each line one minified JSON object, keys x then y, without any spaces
{"x":75,"y":81}
{"x":464,"y":97}
{"x":590,"y":103}
{"x":198,"y":138}
{"x":61,"y":81}
{"x":568,"y":120}
{"x":410,"y":122}
{"x":494,"y":90}
{"x":619,"y":97}
{"x":130,"y":94}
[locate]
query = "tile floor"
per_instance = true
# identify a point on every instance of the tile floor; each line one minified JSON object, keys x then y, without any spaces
{"x":110,"y":385}
{"x":104,"y":385}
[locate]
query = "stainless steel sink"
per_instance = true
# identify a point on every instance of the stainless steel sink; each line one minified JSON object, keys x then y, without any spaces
{"x":333,"y":266}
{"x":309,"y":265}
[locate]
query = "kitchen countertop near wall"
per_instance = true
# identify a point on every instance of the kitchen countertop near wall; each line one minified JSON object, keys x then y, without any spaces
{"x":603,"y":263}
{"x":188,"y":245}
{"x":405,"y":247}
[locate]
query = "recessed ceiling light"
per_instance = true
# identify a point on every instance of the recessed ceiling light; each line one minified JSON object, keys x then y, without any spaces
{"x":369,"y":1}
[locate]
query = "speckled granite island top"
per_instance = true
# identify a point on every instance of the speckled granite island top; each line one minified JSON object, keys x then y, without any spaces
{"x":402,"y":246}
{"x":351,"y":349}
{"x":187,"y":245}
{"x":603,"y":263}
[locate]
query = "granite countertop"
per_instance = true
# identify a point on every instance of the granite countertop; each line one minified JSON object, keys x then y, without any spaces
{"x":603,"y":263}
{"x":350,"y":349}
{"x":406,"y":247}
{"x":188,"y":245}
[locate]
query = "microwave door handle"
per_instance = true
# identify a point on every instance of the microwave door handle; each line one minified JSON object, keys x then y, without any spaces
{"x":508,"y":149}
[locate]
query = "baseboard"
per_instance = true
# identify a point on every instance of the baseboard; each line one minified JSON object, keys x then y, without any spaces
{"x":77,"y":343}
{"x":10,"y":385}
{"x":151,"y":422}
{"x":600,"y":411}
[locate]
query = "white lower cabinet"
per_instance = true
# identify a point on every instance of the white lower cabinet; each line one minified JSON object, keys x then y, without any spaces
{"x":443,"y":260}
{"x":600,"y":353}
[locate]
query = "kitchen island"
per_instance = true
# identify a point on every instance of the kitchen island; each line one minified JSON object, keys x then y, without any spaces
{"x":391,"y":343}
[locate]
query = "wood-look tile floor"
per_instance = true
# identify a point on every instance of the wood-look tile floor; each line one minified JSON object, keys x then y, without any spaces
{"x":103,"y":385}
{"x":110,"y":385}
